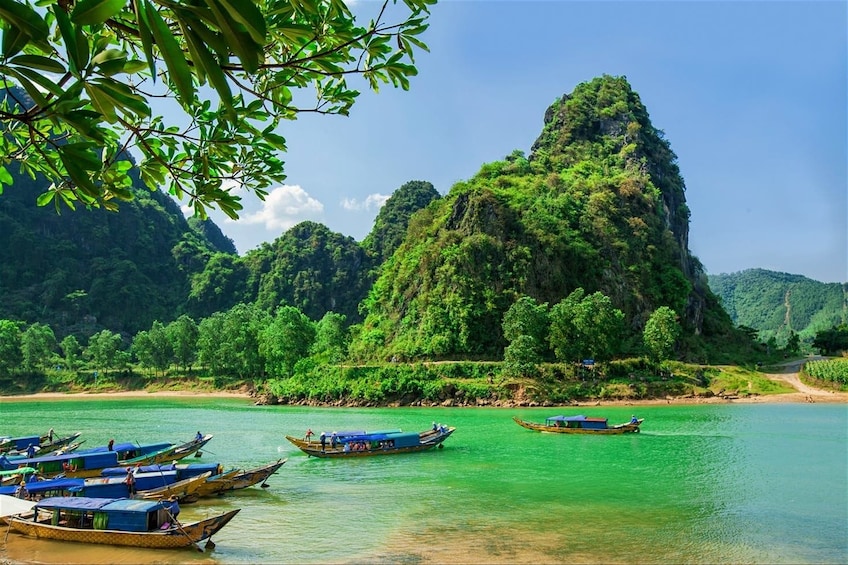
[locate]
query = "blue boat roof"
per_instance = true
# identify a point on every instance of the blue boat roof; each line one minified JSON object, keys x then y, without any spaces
{"x":579,"y":418}
{"x":75,"y":502}
{"x":105,"y":504}
{"x":51,"y":484}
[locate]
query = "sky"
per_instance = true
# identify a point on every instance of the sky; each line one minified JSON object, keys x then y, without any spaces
{"x":752,"y":96}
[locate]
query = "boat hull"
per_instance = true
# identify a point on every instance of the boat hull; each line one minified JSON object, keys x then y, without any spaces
{"x":628,"y":428}
{"x":180,"y":536}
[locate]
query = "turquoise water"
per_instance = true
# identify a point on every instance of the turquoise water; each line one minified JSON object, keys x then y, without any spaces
{"x":764,"y":483}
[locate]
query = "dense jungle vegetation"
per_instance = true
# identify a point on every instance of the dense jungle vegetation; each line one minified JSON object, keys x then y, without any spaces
{"x":561,"y":275}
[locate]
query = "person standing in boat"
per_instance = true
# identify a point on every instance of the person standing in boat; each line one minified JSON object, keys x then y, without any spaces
{"x":309,"y":434}
{"x":323,"y":438}
{"x":130,"y":480}
{"x":30,"y":451}
{"x":50,"y":435}
{"x":111,"y":444}
{"x":174,"y":507}
{"x":21,"y":491}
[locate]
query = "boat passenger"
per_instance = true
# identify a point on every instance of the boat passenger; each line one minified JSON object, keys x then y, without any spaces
{"x":130,"y":481}
{"x":111,"y":444}
{"x":634,"y":420}
{"x":30,"y":451}
{"x":309,"y":434}
{"x":198,"y":437}
{"x":323,"y":441}
{"x":174,"y":507}
{"x":347,"y":447}
{"x":21,"y":491}
{"x":50,"y":435}
{"x":333,"y":440}
{"x":435,"y":427}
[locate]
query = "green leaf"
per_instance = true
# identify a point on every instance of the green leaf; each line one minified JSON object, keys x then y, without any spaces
{"x":108,"y":94}
{"x":247,"y":13}
{"x":238,"y":41}
{"x":203,"y":58}
{"x":27,"y":85}
{"x":42,"y":81}
{"x":102,"y":102}
{"x":38,"y":62}
{"x":88,"y":12}
{"x":174,"y":57}
{"x":5,"y":177}
{"x":79,"y":176}
{"x":76,"y":44}
{"x":24,"y":18}
{"x":45,"y":198}
{"x":14,"y":39}
{"x":145,"y":36}
{"x":110,"y":61}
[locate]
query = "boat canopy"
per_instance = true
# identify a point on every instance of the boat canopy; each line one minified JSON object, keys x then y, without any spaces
{"x":75,"y":502}
{"x":71,"y":485}
{"x":579,"y":418}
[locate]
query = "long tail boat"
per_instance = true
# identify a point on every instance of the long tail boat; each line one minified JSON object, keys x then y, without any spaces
{"x":257,"y":475}
{"x":126,"y":522}
{"x":364,"y":444}
{"x":581,"y":425}
{"x":150,"y":486}
{"x":17,"y":446}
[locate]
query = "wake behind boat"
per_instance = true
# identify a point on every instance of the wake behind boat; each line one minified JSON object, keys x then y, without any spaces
{"x":581,"y":425}
{"x":363,"y":444}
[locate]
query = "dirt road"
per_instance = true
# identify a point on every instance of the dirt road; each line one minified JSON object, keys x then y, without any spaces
{"x":789,"y":375}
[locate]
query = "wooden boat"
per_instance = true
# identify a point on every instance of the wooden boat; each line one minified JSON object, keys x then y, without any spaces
{"x":17,"y":446}
{"x":249,"y":477}
{"x":90,"y":463}
{"x":364,"y":444}
{"x":136,"y":523}
{"x":581,"y":425}
{"x":150,"y":486}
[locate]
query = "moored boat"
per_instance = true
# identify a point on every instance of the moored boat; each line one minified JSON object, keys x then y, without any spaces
{"x":126,"y":522}
{"x":149,"y":486}
{"x":42,"y":445}
{"x":249,"y":477}
{"x":363,"y":444}
{"x":581,"y":425}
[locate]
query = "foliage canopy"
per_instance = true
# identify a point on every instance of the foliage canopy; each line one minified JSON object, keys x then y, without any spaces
{"x":91,"y":69}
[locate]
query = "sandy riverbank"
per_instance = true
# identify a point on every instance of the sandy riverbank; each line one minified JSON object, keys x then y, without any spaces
{"x":126,"y":394}
{"x":790,"y":378}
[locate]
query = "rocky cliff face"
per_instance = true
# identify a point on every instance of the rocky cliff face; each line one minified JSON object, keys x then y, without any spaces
{"x":607,"y":113}
{"x":598,"y":204}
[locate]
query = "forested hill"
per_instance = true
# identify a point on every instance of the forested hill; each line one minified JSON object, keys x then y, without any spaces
{"x":309,"y":266}
{"x":599,"y":204}
{"x":83,"y":270}
{"x":776,"y":303}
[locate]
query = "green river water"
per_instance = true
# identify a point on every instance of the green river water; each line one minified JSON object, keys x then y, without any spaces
{"x":747,"y":483}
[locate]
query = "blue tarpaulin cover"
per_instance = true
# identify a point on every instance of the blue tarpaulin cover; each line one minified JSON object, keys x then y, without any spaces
{"x":75,"y":502}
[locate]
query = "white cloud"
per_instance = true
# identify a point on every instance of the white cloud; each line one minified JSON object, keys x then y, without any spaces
{"x":372,"y":202}
{"x":284,"y":207}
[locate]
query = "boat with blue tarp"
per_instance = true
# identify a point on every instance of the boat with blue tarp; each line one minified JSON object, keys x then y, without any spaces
{"x":125,"y":522}
{"x":581,"y":424}
{"x":147,"y":485}
{"x":362,"y":444}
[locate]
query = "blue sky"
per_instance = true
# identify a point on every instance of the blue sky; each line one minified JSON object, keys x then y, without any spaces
{"x":752,"y":96}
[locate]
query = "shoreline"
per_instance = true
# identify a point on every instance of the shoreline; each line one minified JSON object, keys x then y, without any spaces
{"x":808,"y":396}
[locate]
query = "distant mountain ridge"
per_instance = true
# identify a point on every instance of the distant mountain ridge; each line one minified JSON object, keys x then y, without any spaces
{"x":776,"y":303}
